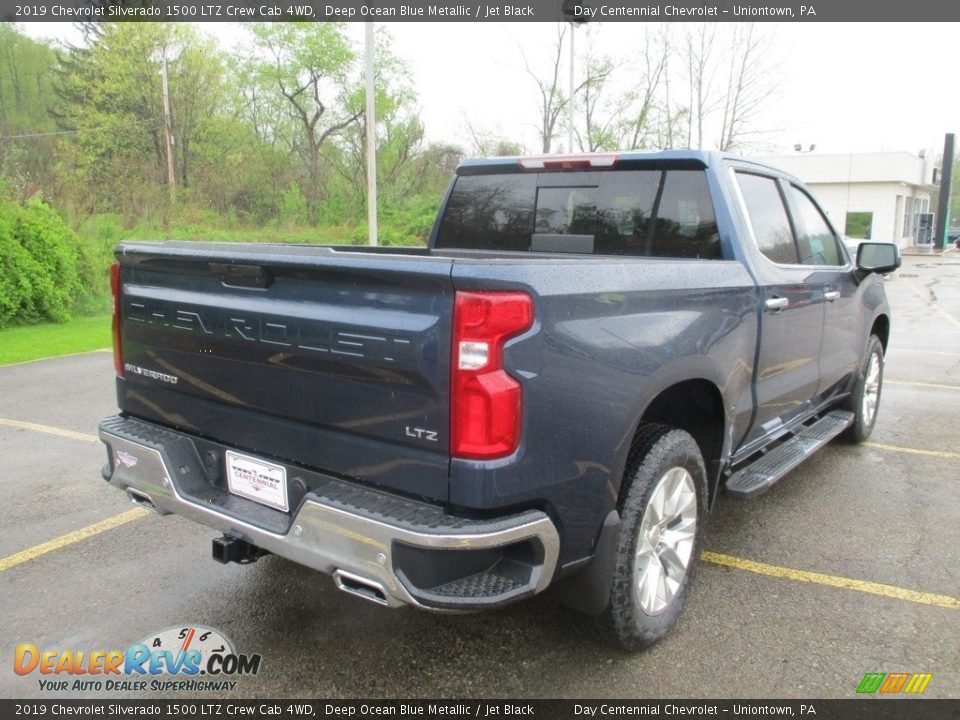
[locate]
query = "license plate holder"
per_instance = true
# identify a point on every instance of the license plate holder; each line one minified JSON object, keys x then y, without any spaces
{"x":258,"y":480}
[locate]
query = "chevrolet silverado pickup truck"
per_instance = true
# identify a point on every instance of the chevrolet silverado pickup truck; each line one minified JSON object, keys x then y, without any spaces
{"x":554,"y":392}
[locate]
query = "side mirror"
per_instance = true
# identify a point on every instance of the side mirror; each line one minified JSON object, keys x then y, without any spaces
{"x":878,"y":257}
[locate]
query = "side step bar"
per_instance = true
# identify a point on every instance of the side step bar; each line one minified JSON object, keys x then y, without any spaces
{"x":758,"y":477}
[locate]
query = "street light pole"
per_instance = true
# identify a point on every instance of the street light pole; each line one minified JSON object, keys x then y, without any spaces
{"x":570,"y":102}
{"x":371,"y":141}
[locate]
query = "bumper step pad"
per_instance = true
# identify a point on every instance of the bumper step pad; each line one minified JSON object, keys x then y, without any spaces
{"x":390,"y":549}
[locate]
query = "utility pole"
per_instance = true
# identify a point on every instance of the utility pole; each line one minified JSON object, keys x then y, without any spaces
{"x":371,"y":141}
{"x":574,"y":11}
{"x":570,"y":105}
{"x":946,"y":182}
{"x":168,"y":131}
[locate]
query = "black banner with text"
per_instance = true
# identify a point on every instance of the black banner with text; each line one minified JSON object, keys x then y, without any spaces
{"x":485,"y":11}
{"x":853,"y":709}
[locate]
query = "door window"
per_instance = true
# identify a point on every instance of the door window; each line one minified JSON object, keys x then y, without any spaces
{"x":818,"y":244}
{"x":768,"y":216}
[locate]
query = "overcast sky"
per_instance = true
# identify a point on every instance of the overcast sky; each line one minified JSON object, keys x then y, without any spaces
{"x":844,"y":87}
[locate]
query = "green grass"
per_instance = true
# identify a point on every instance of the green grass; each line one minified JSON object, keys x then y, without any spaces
{"x":31,"y":342}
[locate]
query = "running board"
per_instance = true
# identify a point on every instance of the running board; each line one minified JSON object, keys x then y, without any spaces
{"x":759,"y":476}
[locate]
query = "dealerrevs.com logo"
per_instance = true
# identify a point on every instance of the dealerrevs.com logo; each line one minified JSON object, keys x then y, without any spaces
{"x":187,"y":659}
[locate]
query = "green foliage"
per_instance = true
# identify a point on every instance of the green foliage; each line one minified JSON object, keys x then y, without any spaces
{"x":41,"y":264}
{"x":26,"y":98}
{"x":293,"y":206}
{"x":858,"y":224}
{"x":268,"y":147}
{"x":21,"y":344}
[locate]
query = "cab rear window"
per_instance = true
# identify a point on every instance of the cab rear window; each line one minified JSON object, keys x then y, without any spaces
{"x":645,"y":213}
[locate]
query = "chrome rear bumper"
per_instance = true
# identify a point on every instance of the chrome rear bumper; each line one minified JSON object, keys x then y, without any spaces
{"x":385,"y":548}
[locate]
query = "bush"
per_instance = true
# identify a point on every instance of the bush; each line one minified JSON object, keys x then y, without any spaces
{"x":40,"y":264}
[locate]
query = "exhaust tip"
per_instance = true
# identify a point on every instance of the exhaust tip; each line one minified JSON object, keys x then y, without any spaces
{"x":143,"y":500}
{"x":361,"y":587}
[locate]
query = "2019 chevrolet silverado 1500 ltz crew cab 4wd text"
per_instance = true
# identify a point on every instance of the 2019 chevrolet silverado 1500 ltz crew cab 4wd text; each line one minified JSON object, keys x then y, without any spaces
{"x":553,"y":392}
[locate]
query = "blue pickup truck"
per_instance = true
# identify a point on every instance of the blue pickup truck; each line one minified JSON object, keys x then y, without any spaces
{"x":553,"y":393}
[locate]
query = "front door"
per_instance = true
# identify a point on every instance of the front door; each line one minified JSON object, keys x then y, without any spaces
{"x":820,"y":249}
{"x":791,"y":326}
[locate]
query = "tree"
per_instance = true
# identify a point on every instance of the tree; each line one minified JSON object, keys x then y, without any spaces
{"x":309,"y":65}
{"x":399,"y":134}
{"x":27,"y":151}
{"x":647,"y":119}
{"x":491,"y":143}
{"x":625,"y":114}
{"x":748,"y":87}
{"x":599,"y":118}
{"x":110,"y":101}
{"x":700,"y":59}
{"x":552,"y":100}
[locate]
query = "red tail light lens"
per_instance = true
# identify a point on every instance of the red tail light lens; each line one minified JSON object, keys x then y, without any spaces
{"x":485,"y":402}
{"x":115,"y":289}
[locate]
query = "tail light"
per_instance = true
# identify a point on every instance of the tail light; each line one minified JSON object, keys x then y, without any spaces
{"x":117,"y":318}
{"x":485,"y":402}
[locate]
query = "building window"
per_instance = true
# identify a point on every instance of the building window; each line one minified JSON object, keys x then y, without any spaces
{"x":909,"y":217}
{"x":859,"y":225}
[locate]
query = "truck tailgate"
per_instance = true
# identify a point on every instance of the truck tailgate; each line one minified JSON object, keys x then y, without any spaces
{"x":336,"y":360}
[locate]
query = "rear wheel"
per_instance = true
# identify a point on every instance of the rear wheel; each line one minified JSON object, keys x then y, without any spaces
{"x":865,"y":400}
{"x":661,"y":533}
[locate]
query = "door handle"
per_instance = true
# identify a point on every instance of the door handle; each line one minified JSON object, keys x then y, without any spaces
{"x":776,"y":304}
{"x":832,"y":295}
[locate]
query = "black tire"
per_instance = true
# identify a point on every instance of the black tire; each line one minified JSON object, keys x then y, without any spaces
{"x":864,"y":419}
{"x":658,"y":452}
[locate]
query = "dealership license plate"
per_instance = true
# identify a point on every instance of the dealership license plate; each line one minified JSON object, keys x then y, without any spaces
{"x":257,"y":480}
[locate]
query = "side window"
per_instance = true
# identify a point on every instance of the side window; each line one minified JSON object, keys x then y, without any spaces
{"x":768,"y":216}
{"x":686,"y":224}
{"x":818,"y":244}
{"x":489,"y":212}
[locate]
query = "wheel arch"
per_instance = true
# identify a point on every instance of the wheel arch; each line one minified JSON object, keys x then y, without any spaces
{"x":881,"y":328}
{"x":696,"y":405}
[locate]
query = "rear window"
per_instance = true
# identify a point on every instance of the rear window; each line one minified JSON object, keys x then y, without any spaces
{"x":648,"y":213}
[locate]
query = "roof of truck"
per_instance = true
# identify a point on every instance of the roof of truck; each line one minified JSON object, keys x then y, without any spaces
{"x":606,"y":160}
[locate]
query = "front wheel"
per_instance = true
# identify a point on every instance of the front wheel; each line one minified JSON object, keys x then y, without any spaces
{"x":661,"y":533}
{"x":865,"y":399}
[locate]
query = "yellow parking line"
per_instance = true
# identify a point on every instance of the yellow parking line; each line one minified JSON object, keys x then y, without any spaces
{"x":936,"y":306}
{"x":898,"y":349}
{"x":36,"y":427}
{"x":70,"y":538}
{"x":865,"y":586}
{"x":922,"y":384}
{"x":711,"y":557}
{"x":914,"y":451}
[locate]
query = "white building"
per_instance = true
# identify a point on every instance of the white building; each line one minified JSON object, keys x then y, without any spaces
{"x":880,"y":195}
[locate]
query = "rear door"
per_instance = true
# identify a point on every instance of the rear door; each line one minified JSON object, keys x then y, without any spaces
{"x":324,"y":358}
{"x":787,"y":373}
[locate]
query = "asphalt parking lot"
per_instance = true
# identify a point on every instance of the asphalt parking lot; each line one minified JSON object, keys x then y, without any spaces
{"x":849,"y":565}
